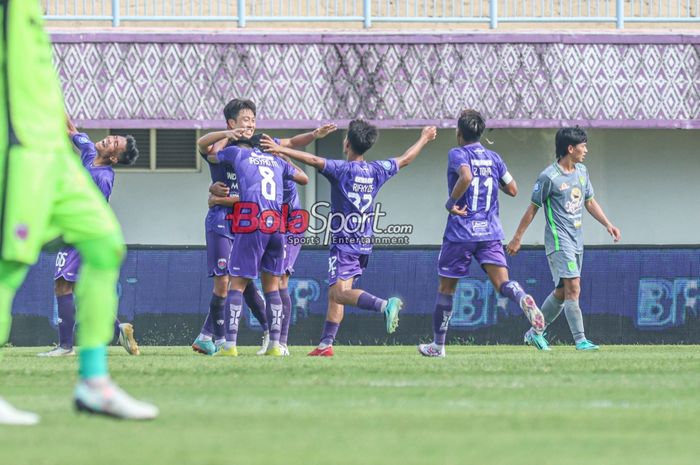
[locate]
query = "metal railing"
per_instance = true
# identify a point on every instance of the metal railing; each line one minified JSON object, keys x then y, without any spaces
{"x":370,"y":11}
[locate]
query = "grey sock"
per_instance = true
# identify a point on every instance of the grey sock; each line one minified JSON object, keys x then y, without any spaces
{"x":551,"y":308}
{"x":575,"y":319}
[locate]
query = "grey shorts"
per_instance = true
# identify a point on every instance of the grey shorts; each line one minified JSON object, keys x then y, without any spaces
{"x":564,"y":264}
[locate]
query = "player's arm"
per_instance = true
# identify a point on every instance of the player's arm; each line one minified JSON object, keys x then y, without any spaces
{"x":513,"y":246}
{"x":269,"y":145}
{"x":72,"y":130}
{"x":205,"y":142}
{"x":302,"y":140}
{"x":299,"y":176}
{"x":596,"y":212}
{"x":224,"y":201}
{"x":427,"y":134}
{"x":460,"y":187}
{"x":219,"y":189}
{"x":507,"y":185}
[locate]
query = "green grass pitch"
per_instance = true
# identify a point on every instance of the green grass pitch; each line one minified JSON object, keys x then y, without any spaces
{"x":629,"y":405}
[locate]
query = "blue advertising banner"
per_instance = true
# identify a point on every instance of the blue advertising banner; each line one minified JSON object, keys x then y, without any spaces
{"x":628,"y":295}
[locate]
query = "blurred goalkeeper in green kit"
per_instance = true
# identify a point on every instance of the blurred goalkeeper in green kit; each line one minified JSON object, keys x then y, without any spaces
{"x":44,"y":193}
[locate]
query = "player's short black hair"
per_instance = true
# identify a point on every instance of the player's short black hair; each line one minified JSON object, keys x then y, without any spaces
{"x":471,"y":125}
{"x":234,"y":107}
{"x":569,"y":136}
{"x":129,"y":156}
{"x":253,"y":142}
{"x":361,"y":136}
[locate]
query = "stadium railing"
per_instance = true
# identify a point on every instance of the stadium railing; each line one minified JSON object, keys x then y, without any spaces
{"x":367,"y":12}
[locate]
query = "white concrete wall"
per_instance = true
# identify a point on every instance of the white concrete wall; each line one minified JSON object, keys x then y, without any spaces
{"x":646,"y":181}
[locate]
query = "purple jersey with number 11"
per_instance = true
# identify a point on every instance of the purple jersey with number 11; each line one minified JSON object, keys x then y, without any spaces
{"x":482,"y":222}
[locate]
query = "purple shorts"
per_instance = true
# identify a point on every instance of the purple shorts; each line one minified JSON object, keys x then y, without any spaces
{"x":345,"y":265}
{"x":255,"y":252}
{"x":291,"y":252}
{"x":218,"y":253}
{"x":455,"y":257}
{"x":67,"y":264}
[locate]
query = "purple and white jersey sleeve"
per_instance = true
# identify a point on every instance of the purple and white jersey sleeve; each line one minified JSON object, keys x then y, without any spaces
{"x":104,"y":178}
{"x":88,"y":152}
{"x":334,"y":169}
{"x":229,"y":155}
{"x":384,"y":170}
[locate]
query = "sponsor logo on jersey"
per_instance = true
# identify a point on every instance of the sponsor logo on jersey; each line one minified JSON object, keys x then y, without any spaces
{"x":564,"y":186}
{"x":386,"y":164}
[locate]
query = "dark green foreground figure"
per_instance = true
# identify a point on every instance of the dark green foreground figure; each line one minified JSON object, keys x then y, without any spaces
{"x":46,"y":193}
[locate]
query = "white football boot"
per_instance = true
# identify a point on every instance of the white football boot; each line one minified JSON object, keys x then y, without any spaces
{"x":104,"y":397}
{"x":57,"y":351}
{"x":431,"y":350}
{"x":265,"y":343}
{"x":12,"y":416}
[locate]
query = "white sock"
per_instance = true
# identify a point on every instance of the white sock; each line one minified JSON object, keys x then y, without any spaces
{"x":228,"y":345}
{"x":204,"y":337}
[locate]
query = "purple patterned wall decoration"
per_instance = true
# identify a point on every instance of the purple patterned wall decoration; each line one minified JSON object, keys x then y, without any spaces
{"x":518,"y":80}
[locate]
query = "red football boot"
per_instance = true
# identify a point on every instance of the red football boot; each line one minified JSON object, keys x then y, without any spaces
{"x":325,"y":352}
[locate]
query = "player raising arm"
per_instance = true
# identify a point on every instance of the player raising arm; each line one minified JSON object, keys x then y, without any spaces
{"x":354,"y":185}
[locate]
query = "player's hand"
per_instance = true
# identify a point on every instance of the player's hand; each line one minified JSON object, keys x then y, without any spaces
{"x":455,"y":210}
{"x":235,"y":134}
{"x":219,"y":189}
{"x":429,"y":133}
{"x":513,"y":247}
{"x":211,"y":201}
{"x":614,"y":232}
{"x":323,"y":131}
{"x":269,"y":145}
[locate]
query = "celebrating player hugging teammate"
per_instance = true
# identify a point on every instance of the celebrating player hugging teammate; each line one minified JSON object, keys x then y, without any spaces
{"x":240,"y":115}
{"x":354,"y":185}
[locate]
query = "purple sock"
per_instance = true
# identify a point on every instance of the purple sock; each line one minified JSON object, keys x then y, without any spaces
{"x":116,"y":328}
{"x":214,"y":324}
{"x":513,"y":291}
{"x":441,"y":317}
{"x":66,"y":320}
{"x":208,"y":326}
{"x":286,"y":315}
{"x":234,"y":304}
{"x":330,"y":330}
{"x":367,"y":301}
{"x":273,"y":304}
{"x":256,"y":304}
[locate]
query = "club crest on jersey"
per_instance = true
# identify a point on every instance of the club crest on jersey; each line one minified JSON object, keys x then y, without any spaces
{"x":221,"y":263}
{"x":575,"y":203}
{"x":386,"y":165}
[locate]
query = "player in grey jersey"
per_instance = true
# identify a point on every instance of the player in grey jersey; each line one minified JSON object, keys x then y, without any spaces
{"x":563,"y":189}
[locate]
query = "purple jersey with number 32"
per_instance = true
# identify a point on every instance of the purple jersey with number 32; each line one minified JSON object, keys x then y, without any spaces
{"x":354,"y":185}
{"x":482,"y":222}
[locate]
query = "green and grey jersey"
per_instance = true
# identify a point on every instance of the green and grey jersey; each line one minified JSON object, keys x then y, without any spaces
{"x":562,"y":195}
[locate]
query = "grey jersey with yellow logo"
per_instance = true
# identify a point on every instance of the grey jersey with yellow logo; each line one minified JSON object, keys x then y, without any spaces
{"x":562,"y":195}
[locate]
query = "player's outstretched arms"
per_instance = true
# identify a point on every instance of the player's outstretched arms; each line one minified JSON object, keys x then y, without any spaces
{"x":207,"y":140}
{"x":460,"y":187}
{"x":597,"y":212}
{"x":302,"y":140}
{"x":428,"y":134}
{"x":219,"y":189}
{"x":269,"y":146}
{"x":513,"y":246}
